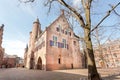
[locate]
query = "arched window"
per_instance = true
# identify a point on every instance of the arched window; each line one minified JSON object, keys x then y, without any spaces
{"x":59,"y":61}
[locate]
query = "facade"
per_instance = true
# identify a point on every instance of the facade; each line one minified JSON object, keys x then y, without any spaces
{"x":57,"y":47}
{"x":20,"y":62}
{"x":1,"y":49}
{"x":10,"y":61}
{"x":110,"y":53}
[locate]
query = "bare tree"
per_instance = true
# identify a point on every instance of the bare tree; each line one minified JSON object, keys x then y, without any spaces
{"x":85,"y":23}
{"x":98,"y":37}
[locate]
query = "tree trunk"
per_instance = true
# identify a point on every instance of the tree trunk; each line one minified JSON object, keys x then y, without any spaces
{"x":92,"y":70}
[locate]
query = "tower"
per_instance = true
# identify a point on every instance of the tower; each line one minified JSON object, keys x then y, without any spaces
{"x":36,"y":31}
{"x":34,"y":34}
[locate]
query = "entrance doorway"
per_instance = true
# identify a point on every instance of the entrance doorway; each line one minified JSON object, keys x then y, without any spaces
{"x":39,"y":63}
{"x":71,"y":66}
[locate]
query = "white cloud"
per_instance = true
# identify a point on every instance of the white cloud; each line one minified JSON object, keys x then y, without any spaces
{"x":28,"y":9}
{"x":14,"y":47}
{"x":76,"y":3}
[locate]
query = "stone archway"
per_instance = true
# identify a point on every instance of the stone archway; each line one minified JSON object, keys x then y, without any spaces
{"x":39,"y":63}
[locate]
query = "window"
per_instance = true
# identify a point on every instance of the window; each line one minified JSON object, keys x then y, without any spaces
{"x":59,"y":59}
{"x":59,"y":45}
{"x":74,"y":43}
{"x":59,"y":62}
{"x":66,"y":32}
{"x":51,"y":43}
{"x":54,"y":40}
{"x":58,"y":29}
{"x":64,"y":43}
{"x":70,"y":33}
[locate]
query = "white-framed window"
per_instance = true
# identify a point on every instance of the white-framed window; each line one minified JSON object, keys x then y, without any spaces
{"x":64,"y":43}
{"x":54,"y":40}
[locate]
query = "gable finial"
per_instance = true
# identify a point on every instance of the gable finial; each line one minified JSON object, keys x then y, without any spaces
{"x":62,"y":11}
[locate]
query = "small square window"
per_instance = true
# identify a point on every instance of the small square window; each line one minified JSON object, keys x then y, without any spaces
{"x":74,"y":43}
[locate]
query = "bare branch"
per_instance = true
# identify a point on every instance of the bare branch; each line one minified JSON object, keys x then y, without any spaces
{"x":116,"y":13}
{"x":49,"y":4}
{"x":109,"y":37}
{"x":114,"y":10}
{"x":77,"y":15}
{"x":26,"y":1}
{"x":109,"y":12}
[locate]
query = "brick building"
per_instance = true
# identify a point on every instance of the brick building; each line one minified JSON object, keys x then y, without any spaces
{"x":57,"y":47}
{"x":10,"y":61}
{"x":110,"y":53}
{"x":1,"y":49}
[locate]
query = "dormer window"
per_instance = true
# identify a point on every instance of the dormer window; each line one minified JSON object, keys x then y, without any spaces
{"x":58,"y":29}
{"x":74,"y":42}
{"x":66,"y":32}
{"x":70,"y":33}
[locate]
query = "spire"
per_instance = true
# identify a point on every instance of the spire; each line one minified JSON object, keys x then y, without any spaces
{"x":2,"y":26}
{"x":37,"y":20}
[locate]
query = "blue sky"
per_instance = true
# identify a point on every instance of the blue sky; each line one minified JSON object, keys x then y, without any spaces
{"x":18,"y":19}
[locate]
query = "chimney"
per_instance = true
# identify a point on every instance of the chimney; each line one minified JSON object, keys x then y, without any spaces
{"x":62,"y":11}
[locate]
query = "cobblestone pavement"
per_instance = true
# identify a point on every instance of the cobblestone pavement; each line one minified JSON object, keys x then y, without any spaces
{"x":76,"y":74}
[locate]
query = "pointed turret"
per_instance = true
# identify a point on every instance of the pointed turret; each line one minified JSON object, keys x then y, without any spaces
{"x":36,"y":29}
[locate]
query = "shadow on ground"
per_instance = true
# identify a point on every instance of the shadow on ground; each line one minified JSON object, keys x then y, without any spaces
{"x":24,"y":74}
{"x":112,"y":77}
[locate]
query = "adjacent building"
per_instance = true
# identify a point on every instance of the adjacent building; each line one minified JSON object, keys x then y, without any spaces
{"x":11,"y":61}
{"x":110,"y":54}
{"x":57,"y":47}
{"x":1,"y":49}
